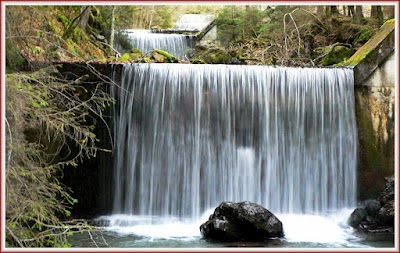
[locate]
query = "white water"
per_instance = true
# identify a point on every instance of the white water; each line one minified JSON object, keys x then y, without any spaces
{"x":176,"y":44}
{"x":194,"y":21}
{"x":327,"y":230}
{"x":188,"y":137}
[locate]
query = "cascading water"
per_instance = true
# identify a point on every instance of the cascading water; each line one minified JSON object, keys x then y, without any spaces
{"x":188,"y":137}
{"x":194,"y":21}
{"x":178,"y":45}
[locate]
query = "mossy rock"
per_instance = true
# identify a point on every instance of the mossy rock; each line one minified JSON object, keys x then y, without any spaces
{"x":136,"y":51}
{"x":130,"y":57}
{"x":338,"y":54}
{"x":215,"y":55}
{"x":197,"y":61}
{"x":145,"y":60}
{"x":163,"y":56}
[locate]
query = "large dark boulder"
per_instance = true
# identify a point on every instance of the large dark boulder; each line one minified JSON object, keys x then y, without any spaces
{"x":242,"y":221}
{"x":372,"y":207}
{"x":357,"y":216}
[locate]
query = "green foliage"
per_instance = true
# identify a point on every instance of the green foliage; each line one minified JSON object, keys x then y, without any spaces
{"x":364,"y":35}
{"x":238,"y":23}
{"x":36,"y":33}
{"x":130,"y":57}
{"x":123,"y":41}
{"x":64,"y":20}
{"x":228,"y":24}
{"x":14,"y":59}
{"x":101,"y":16}
{"x":164,"y":17}
{"x":48,"y":127}
{"x":251,"y":22}
{"x":336,"y":55}
{"x":214,"y":55}
{"x":289,"y":35}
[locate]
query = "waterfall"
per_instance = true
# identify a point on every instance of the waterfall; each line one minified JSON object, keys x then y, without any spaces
{"x":194,"y":21}
{"x":176,"y":44}
{"x":188,"y":137}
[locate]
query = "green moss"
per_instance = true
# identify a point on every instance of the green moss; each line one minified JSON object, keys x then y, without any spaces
{"x":95,"y":11}
{"x":169,"y":57}
{"x":77,"y":35}
{"x":338,"y":54}
{"x":14,"y":58}
{"x":130,"y":57}
{"x":390,"y":22}
{"x":363,"y":36}
{"x":136,"y":51}
{"x":64,"y":20}
{"x":145,"y":60}
{"x":197,"y":61}
{"x":216,"y":56}
{"x":372,"y":44}
{"x":124,"y":57}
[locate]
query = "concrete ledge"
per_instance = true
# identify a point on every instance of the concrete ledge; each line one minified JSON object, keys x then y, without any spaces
{"x":372,"y":53}
{"x":205,"y":31}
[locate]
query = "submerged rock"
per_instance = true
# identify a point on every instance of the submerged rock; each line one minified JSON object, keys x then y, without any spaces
{"x":242,"y":221}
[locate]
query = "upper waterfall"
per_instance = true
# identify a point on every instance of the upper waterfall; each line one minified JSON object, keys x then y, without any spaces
{"x":194,"y":21}
{"x":178,"y":45}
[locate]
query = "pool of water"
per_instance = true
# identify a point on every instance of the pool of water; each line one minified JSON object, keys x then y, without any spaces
{"x":301,"y":231}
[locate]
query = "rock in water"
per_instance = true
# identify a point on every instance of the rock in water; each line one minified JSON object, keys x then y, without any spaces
{"x":372,"y":207}
{"x":242,"y":221}
{"x":357,"y":216}
{"x":376,"y":216}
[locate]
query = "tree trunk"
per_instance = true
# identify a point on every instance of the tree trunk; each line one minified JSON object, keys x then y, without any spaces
{"x":351,"y":10}
{"x":358,"y":16}
{"x":327,"y":11}
{"x":151,"y":17}
{"x":379,"y":14}
{"x":320,"y":10}
{"x":76,"y":21}
{"x":112,"y":27}
{"x":374,"y":11}
{"x":334,"y":10}
{"x":85,"y":15}
{"x":390,"y":11}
